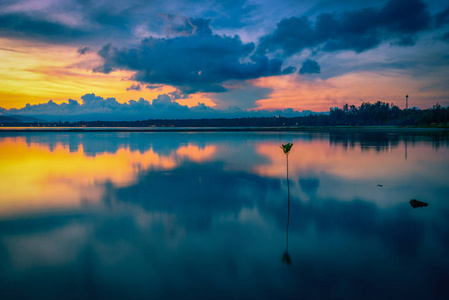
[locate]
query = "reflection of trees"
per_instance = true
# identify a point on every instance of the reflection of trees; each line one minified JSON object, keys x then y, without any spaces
{"x":286,"y":257}
{"x":406,"y":140}
{"x":385,"y":140}
{"x":378,"y":141}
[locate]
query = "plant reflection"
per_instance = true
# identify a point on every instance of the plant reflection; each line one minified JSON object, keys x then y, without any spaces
{"x":286,"y":257}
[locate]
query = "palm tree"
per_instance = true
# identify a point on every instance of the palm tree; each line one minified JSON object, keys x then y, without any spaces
{"x":286,"y":257}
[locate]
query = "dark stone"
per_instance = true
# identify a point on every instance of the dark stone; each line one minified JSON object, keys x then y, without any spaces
{"x":416,"y":203}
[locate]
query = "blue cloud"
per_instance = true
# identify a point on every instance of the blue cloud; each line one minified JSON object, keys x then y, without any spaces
{"x":289,"y":70}
{"x":20,"y":25}
{"x":83,"y":50}
{"x":445,"y":37}
{"x":154,"y":86}
{"x":200,"y":62}
{"x":175,"y":25}
{"x":309,"y":67}
{"x":134,"y":87}
{"x":233,"y":13}
{"x":94,"y":108}
{"x":442,"y":20}
{"x":358,"y":30}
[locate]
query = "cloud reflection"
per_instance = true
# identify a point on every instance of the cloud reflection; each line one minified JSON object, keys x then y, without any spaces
{"x":40,"y":176}
{"x":209,"y":219}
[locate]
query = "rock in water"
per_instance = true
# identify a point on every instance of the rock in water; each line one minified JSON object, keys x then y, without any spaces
{"x":416,"y":203}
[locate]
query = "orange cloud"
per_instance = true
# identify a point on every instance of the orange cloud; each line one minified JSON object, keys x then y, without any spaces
{"x":290,"y":92}
{"x":352,"y":88}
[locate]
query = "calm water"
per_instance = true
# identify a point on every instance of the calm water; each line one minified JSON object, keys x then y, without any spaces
{"x":204,"y":216}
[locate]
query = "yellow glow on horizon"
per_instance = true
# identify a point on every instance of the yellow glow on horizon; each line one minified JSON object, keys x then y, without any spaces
{"x":40,"y":72}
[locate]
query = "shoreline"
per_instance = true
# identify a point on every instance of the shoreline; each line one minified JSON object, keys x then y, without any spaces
{"x":227,"y":129}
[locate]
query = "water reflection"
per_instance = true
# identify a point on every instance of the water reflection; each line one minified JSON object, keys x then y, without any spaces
{"x":182,"y":216}
{"x":286,"y":256}
{"x":77,"y":176}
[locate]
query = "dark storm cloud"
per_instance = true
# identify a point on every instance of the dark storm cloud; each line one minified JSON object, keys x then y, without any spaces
{"x":442,"y":18}
{"x":100,"y":21}
{"x":309,"y":67}
{"x":177,"y":25}
{"x":83,"y":50}
{"x":445,"y":37}
{"x":289,"y":70}
{"x":358,"y":30}
{"x":134,"y":87}
{"x":120,"y":20}
{"x":68,"y":21}
{"x":154,"y":86}
{"x":200,"y":62}
{"x":19,"y":25}
{"x":233,"y":13}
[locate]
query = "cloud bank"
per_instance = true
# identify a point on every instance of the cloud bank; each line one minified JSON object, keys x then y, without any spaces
{"x":95,"y":108}
{"x":194,"y":59}
{"x":197,"y":61}
{"x":358,"y":30}
{"x":310,"y":67}
{"x":217,"y":47}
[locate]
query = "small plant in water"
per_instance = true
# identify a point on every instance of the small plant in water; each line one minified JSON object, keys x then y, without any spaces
{"x":286,"y":257}
{"x":286,"y":148}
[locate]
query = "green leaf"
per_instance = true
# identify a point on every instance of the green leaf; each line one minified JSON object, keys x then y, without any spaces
{"x":286,"y":148}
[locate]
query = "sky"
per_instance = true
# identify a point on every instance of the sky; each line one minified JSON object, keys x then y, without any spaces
{"x":140,"y":59}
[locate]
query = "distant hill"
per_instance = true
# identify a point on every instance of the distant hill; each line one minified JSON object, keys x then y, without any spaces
{"x":19,"y":119}
{"x":6,"y":119}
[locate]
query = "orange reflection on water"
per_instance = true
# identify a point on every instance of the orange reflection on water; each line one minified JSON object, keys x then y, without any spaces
{"x":196,"y":153}
{"x":319,"y":156}
{"x":35,"y":177}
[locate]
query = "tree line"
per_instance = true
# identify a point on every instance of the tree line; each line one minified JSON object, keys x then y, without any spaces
{"x":381,"y":113}
{"x":367,"y":114}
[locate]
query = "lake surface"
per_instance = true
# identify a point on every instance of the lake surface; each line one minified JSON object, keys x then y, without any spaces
{"x":166,"y":215}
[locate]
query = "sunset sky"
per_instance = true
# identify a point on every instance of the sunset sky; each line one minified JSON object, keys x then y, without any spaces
{"x":179,"y":58}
